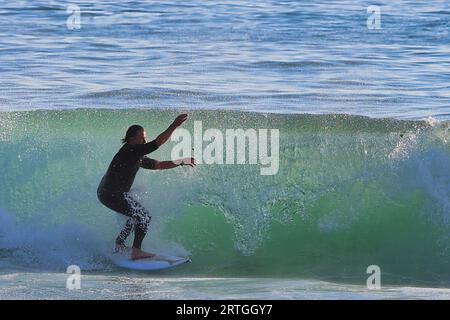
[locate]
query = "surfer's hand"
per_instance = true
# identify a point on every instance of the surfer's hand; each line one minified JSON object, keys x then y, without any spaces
{"x":189,"y":162}
{"x":180,"y":119}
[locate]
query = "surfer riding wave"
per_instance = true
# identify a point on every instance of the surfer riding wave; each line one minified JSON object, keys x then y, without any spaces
{"x":116,"y":183}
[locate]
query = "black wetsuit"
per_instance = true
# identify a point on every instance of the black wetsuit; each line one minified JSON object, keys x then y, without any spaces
{"x":114,"y":187}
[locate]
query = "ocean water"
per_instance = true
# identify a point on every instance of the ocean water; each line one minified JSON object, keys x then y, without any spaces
{"x":364,"y":154}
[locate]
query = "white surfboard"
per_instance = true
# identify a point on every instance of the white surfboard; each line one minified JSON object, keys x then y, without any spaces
{"x":158,"y":262}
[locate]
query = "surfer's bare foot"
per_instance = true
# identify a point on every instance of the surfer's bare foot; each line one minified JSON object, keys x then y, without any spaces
{"x":139,"y":254}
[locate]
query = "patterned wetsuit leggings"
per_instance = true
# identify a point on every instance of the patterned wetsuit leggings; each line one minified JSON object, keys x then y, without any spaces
{"x":139,"y":217}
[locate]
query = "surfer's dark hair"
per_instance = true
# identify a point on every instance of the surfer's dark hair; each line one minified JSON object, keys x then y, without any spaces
{"x":131,"y":132}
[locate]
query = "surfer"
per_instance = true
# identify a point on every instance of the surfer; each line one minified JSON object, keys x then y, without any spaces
{"x":116,"y":183}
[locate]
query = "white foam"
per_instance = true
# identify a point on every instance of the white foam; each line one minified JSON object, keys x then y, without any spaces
{"x":34,"y":247}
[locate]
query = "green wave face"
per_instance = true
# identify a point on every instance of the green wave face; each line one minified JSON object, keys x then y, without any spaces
{"x":350,"y":192}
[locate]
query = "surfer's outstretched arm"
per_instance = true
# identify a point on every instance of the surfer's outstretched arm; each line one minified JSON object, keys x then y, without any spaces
{"x":163,"y":137}
{"x":152,"y":164}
